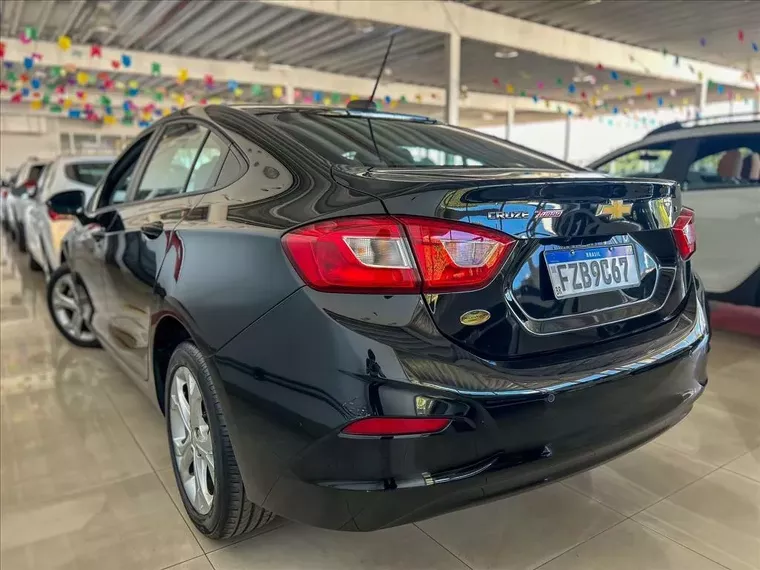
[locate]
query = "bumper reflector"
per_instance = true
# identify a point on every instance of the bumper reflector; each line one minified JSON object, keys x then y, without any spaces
{"x":382,"y":426}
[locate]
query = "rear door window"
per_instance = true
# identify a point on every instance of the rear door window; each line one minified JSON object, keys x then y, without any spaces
{"x":208,"y":164}
{"x":88,"y":173}
{"x":172,"y":162}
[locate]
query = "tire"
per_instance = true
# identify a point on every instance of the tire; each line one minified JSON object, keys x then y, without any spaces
{"x":231,"y":513}
{"x":63,"y":272}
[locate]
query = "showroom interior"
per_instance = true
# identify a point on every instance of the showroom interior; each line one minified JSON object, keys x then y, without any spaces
{"x":410,"y":198}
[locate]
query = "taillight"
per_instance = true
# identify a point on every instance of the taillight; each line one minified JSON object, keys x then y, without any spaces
{"x":376,"y":254}
{"x":453,"y":256}
{"x":685,"y":234}
{"x":353,"y":255}
{"x":29,"y":184}
{"x":55,"y":216}
{"x":385,"y":426}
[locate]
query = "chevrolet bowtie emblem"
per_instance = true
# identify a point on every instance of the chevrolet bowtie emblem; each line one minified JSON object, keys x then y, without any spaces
{"x":616,"y":209}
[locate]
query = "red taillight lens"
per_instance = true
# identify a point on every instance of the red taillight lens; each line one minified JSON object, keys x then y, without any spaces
{"x":353,"y":255}
{"x":374,"y":255}
{"x":453,"y":256}
{"x":29,"y":184}
{"x":3,"y":193}
{"x":55,"y":216}
{"x":379,"y":426}
{"x":685,"y":234}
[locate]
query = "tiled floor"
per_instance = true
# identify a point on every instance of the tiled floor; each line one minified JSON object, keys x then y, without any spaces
{"x":85,"y":481}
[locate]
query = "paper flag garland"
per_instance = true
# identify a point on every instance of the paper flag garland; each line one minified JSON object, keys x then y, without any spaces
{"x":155,"y":68}
{"x":16,"y":98}
{"x":95,"y":51}
{"x":182,"y":76}
{"x":126,"y":60}
{"x":64,"y":42}
{"x":36,"y":83}
{"x":277,"y":91}
{"x":83,"y":78}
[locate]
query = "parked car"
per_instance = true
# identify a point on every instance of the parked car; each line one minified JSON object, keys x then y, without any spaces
{"x":357,"y":320}
{"x":43,"y":228}
{"x":17,"y":199}
{"x":717,"y":162}
{"x":6,"y":184}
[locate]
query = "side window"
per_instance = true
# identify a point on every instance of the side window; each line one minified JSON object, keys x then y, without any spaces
{"x":208,"y":164}
{"x":647,"y":162}
{"x":725,"y":162}
{"x":116,"y":183}
{"x":172,"y":161}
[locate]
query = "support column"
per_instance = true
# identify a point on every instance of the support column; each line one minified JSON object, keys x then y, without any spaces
{"x":453,"y":87}
{"x":702,"y":92}
{"x":510,"y":123}
{"x":568,"y":122}
{"x":290,"y":94}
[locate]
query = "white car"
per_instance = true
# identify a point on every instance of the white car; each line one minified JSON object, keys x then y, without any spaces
{"x":43,"y":228}
{"x":15,"y":202}
{"x":717,"y":162}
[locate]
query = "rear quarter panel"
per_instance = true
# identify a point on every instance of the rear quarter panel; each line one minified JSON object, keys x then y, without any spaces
{"x":225,"y":266}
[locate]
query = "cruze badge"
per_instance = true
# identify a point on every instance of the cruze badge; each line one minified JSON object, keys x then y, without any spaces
{"x":507,"y":215}
{"x":615,"y":210}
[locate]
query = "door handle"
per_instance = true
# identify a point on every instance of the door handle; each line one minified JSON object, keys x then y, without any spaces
{"x":152,"y":230}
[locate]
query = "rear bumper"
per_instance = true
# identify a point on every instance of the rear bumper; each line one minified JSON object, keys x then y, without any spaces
{"x":288,"y":392}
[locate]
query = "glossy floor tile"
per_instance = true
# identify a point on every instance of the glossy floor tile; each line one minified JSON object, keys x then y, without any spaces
{"x":86,"y":482}
{"x":718,"y":516}
{"x":521,"y":532}
{"x":629,"y":546}
{"x":639,"y":479}
{"x":129,"y":524}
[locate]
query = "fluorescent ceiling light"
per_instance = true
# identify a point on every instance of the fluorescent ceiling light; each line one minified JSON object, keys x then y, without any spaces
{"x":506,"y":54}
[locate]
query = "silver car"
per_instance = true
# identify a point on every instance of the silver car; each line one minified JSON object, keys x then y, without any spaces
{"x":44,"y":229}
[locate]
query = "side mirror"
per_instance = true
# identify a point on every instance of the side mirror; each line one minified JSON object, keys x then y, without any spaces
{"x":68,"y":203}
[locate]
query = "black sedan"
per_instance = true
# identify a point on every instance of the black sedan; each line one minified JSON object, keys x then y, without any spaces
{"x":357,"y":319}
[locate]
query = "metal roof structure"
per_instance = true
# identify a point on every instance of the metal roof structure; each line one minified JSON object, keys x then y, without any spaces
{"x":675,"y":26}
{"x":329,"y":37}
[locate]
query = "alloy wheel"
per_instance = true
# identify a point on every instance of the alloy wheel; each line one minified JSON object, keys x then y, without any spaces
{"x":191,"y":437}
{"x":72,"y":309}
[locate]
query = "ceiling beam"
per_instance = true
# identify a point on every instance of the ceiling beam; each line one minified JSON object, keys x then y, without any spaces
{"x":472,"y":23}
{"x":244,"y":73}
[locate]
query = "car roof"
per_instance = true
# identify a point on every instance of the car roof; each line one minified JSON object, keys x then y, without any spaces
{"x":64,"y":160}
{"x":333,"y":111}
{"x":743,"y":123}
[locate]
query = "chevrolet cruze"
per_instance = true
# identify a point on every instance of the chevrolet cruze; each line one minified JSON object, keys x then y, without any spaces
{"x":356,"y":320}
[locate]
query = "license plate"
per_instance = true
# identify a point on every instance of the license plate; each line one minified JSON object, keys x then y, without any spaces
{"x":576,"y":272}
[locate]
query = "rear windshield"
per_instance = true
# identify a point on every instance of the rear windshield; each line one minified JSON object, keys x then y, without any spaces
{"x":88,"y":173}
{"x":365,"y":141}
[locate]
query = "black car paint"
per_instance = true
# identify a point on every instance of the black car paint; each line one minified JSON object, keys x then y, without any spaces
{"x":293,"y":366}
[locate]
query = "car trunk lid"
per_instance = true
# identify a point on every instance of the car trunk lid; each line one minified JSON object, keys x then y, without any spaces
{"x":594,"y":258}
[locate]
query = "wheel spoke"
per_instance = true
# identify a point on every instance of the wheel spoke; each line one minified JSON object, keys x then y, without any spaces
{"x":202,"y":495}
{"x":61,"y":301}
{"x":183,"y":408}
{"x":75,"y":327}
